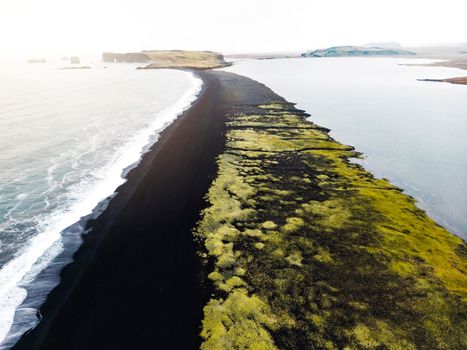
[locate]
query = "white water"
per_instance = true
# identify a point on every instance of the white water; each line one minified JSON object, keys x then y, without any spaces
{"x":411,"y":132}
{"x":66,"y":139}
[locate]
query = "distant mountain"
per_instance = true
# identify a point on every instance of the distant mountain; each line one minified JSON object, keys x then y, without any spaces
{"x":387,"y":44}
{"x":342,"y":51}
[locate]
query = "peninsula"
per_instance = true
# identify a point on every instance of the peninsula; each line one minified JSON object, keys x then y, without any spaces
{"x":460,"y":63}
{"x":247,"y":227}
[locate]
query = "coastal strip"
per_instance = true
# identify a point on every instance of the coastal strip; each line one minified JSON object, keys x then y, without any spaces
{"x":310,"y":251}
{"x":135,"y":280}
{"x":454,"y":63}
{"x":248,"y":225}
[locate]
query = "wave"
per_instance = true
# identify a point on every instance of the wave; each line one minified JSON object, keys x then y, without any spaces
{"x":17,"y":277}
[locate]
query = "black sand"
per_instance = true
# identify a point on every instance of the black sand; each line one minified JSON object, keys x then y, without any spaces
{"x":136,"y":282}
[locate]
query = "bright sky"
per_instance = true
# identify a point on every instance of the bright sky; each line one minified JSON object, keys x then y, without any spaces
{"x":67,"y":27}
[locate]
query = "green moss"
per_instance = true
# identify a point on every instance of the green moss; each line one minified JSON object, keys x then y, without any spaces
{"x":379,"y":336}
{"x":235,"y":282}
{"x":330,"y":214}
{"x":226,"y":261}
{"x":239,"y":271}
{"x":253,"y":233}
{"x":293,"y":224}
{"x":323,"y":256}
{"x":237,"y":323}
{"x":310,"y":251}
{"x":295,"y":259}
{"x":215,"y":276}
{"x":269,"y":225}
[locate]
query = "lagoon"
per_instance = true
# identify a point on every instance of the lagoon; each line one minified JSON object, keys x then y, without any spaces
{"x":411,"y":132}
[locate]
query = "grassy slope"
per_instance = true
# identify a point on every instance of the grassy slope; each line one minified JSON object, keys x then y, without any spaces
{"x":309,"y":251}
{"x":185,"y":59}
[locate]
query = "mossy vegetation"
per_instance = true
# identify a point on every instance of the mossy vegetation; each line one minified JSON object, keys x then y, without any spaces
{"x":309,"y":251}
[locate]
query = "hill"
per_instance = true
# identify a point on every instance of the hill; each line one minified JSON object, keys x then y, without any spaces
{"x":342,"y":51}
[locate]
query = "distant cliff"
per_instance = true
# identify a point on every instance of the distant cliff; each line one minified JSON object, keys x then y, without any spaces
{"x":138,"y":57}
{"x":157,"y":59}
{"x":342,"y":51}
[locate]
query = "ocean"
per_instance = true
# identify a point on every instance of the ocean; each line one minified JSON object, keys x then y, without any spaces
{"x":67,"y":139}
{"x":411,"y":132}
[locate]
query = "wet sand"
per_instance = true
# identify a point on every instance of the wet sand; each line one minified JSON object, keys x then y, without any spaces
{"x":137,"y":282}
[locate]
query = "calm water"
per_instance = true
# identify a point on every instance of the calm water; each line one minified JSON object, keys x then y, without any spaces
{"x":66,"y":138}
{"x":413,"y":133}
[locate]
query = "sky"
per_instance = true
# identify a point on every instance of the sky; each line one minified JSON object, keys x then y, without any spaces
{"x":64,"y":27}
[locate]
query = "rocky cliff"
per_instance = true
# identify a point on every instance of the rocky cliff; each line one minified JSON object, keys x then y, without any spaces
{"x":170,"y":59}
{"x":138,"y":57}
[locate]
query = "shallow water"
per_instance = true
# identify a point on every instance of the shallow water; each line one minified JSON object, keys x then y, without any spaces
{"x":411,"y":132}
{"x":66,"y":139}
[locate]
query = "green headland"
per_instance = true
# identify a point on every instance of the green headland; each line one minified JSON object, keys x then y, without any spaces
{"x":307,"y":250}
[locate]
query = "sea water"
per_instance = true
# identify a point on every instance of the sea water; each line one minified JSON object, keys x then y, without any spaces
{"x":412,"y":132}
{"x":67,"y":138}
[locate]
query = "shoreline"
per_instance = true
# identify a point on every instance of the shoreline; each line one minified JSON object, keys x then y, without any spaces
{"x":73,"y":314}
{"x":452,"y":63}
{"x":458,"y":81}
{"x":243,"y":165}
{"x":26,"y":288}
{"x":107,"y":226}
{"x":312,"y":251}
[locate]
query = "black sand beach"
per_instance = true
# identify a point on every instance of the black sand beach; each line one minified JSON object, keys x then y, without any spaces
{"x":136,"y":282}
{"x":300,"y":248}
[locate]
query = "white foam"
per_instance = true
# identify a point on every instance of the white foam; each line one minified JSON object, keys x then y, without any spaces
{"x":22,"y":196}
{"x":46,"y":245}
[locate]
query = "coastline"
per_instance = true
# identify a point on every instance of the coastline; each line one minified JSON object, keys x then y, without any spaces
{"x":267,"y":173}
{"x":155,"y":289}
{"x":311,"y":251}
{"x":186,"y":152}
{"x":34,"y":270}
{"x":453,"y":63}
